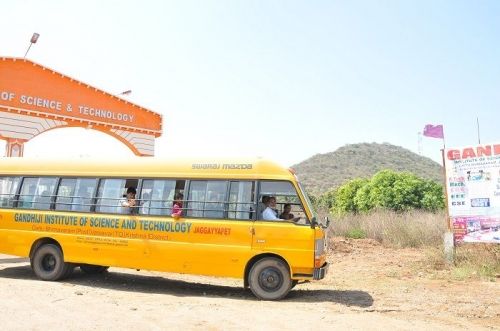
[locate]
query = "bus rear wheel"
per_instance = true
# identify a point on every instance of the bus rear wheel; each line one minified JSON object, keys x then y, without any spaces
{"x":48,"y":263}
{"x":269,"y":279}
{"x":92,"y":269}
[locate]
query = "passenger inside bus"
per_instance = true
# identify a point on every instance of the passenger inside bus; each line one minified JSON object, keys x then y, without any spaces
{"x":286,"y":214}
{"x":269,"y":212}
{"x":128,"y":203}
{"x":177,"y":206}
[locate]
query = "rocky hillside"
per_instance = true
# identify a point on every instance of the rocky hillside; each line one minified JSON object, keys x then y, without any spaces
{"x":322,"y":172}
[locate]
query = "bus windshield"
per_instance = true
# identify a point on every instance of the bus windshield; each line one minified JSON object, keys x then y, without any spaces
{"x":308,"y":202}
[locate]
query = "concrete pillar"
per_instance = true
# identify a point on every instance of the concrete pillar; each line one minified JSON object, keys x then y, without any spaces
{"x":14,"y":148}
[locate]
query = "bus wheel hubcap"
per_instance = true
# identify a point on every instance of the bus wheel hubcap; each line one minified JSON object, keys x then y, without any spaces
{"x":48,"y":262}
{"x":270,"y":279}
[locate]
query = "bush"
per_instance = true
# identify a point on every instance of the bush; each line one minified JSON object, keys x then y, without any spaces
{"x":397,"y":191}
{"x":356,"y":234}
{"x":343,"y":197}
{"x":326,"y":200}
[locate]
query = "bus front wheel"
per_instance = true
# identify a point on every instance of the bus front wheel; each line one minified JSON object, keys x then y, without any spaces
{"x":269,"y":279}
{"x":48,"y":263}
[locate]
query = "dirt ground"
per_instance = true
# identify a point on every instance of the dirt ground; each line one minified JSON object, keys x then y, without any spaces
{"x":369,"y":287}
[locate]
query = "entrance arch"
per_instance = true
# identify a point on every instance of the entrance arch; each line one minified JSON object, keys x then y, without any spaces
{"x":35,"y":99}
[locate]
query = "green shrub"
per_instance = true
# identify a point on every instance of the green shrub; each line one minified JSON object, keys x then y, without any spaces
{"x":343,"y":197}
{"x":326,"y":200}
{"x":356,"y":234}
{"x":387,"y":189}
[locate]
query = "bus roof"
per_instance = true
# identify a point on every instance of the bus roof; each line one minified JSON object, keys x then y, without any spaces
{"x":147,"y":167}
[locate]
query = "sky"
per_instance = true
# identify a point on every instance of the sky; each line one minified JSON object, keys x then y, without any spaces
{"x":284,"y":80}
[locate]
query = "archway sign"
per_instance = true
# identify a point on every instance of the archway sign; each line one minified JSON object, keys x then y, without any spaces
{"x":35,"y":99}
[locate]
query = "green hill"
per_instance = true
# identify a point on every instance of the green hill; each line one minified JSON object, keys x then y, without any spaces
{"x":322,"y":172}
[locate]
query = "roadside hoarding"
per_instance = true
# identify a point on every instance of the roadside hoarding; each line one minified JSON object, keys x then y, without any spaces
{"x":473,"y":189}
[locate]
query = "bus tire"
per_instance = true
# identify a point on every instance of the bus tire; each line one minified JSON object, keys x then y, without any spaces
{"x":92,"y":269}
{"x":48,"y":263}
{"x":269,"y":279}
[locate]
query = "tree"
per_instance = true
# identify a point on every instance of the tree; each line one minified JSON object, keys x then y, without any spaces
{"x":433,"y":196}
{"x":387,"y":189}
{"x":343,"y":197}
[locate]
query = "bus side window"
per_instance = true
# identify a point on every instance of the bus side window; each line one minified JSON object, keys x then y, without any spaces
{"x":241,"y":200}
{"x":85,"y":191}
{"x":207,"y":198}
{"x":285,"y":193}
{"x":157,"y":196}
{"x":75,"y":194}
{"x":65,"y":192}
{"x":110,"y":194}
{"x":8,"y":190}
{"x":37,"y":193}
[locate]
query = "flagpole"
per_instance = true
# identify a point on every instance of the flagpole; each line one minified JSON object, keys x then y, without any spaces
{"x":448,"y":238}
{"x":445,"y":184}
{"x":437,"y":131}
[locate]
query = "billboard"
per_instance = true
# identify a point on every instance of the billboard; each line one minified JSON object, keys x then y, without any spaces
{"x":473,"y":191}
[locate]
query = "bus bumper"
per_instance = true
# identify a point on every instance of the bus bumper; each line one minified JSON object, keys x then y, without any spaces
{"x":319,"y":273}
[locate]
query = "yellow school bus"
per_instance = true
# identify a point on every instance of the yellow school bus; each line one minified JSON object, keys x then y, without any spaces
{"x":247,"y":219}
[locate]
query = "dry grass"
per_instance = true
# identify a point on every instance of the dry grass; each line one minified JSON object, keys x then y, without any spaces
{"x":409,"y":229}
{"x":419,"y":229}
{"x":472,"y":261}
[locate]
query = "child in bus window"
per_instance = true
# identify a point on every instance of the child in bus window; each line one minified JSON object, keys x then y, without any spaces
{"x":286,"y":214}
{"x":128,"y":204}
{"x":177,"y":206}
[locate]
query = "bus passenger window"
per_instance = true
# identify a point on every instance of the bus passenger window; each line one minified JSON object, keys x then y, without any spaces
{"x":157,"y":196}
{"x":276,"y":195}
{"x":241,"y":200}
{"x":76,"y":194}
{"x":207,"y":198}
{"x":8,"y":190}
{"x":37,"y":193}
{"x":112,"y":192}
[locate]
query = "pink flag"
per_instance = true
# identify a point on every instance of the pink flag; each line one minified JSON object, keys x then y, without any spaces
{"x":434,"y":131}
